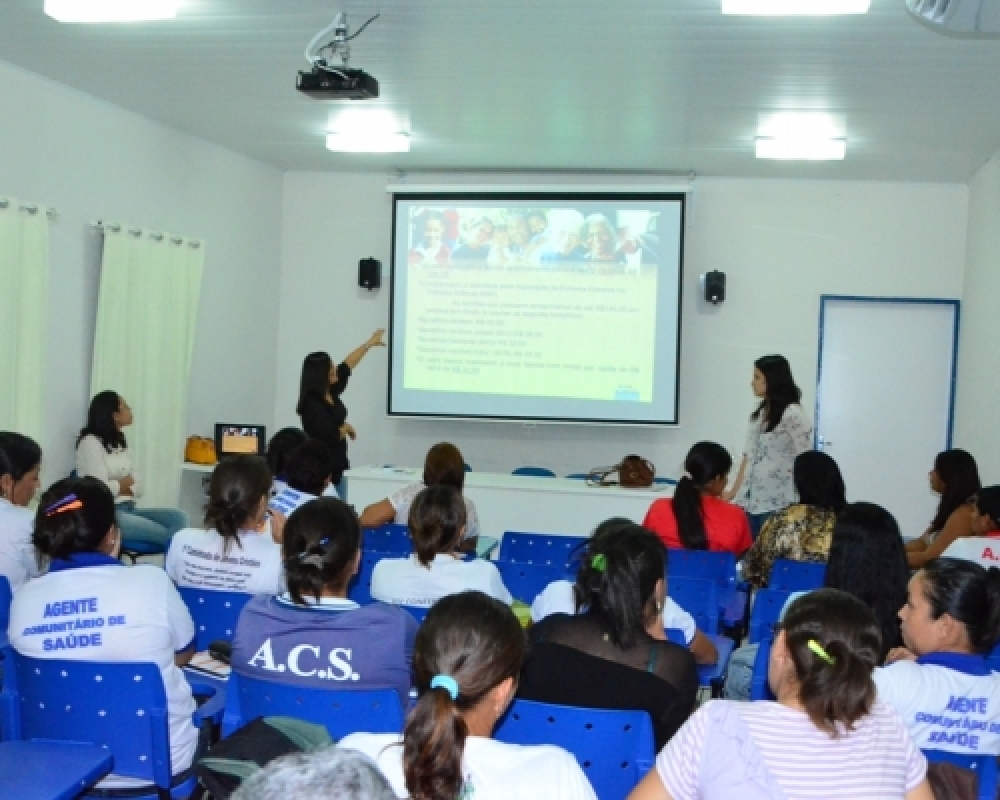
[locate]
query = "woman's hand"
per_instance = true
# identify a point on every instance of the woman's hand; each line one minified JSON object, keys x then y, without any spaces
{"x":375,"y":340}
{"x":899,"y":654}
{"x":347,"y":430}
{"x":277,"y":526}
{"x":125,"y":485}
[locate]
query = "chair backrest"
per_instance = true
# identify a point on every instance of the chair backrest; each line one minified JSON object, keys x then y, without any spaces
{"x":360,"y":588}
{"x":122,"y":707}
{"x":719,"y":567}
{"x":214,"y":613}
{"x":536,"y":472}
{"x":578,"y":476}
{"x":541,"y":548}
{"x":984,"y":766}
{"x":767,"y":605}
{"x":389,"y":538}
{"x":993,"y":659}
{"x":796,"y":576}
{"x":342,"y":711}
{"x":526,"y":581}
{"x":759,"y":688}
{"x":699,"y":597}
{"x":419,"y":613}
{"x":676,"y":635}
{"x":5,"y":599}
{"x":614,"y":748}
{"x":665,"y":481}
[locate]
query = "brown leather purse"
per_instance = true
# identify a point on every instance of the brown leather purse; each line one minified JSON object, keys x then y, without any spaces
{"x":199,"y":450}
{"x":633,"y":472}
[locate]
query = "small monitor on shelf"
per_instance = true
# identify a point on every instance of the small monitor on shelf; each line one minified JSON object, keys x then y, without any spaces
{"x":238,"y":439}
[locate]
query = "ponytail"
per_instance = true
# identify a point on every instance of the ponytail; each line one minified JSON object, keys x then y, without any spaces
{"x":433,"y":743}
{"x":238,"y":485}
{"x":320,"y":547}
{"x":705,"y":462}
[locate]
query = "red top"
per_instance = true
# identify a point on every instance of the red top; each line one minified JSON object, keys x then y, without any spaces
{"x":726,"y":525}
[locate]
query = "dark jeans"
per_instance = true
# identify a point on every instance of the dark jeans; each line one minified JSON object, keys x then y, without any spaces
{"x":757,"y":522}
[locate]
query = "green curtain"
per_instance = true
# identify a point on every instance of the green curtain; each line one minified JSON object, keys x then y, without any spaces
{"x":146,"y":314}
{"x":24,"y":302}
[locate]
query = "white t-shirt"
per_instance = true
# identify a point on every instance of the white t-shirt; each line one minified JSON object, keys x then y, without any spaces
{"x":197,"y":558}
{"x":407,"y":582}
{"x":984,"y":550}
{"x":92,"y":460}
{"x":949,"y":701}
{"x":493,"y":770}
{"x":18,"y":561}
{"x":143,"y":618}
{"x":558,"y":598}
{"x":403,"y":499}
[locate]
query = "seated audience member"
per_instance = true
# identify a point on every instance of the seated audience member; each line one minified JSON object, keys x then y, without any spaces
{"x":615,"y":654}
{"x":103,"y":453}
{"x":951,"y":620}
{"x":435,"y":569}
{"x":240,"y":551}
{"x":443,"y":466}
{"x":801,"y":532}
{"x":559,"y":597}
{"x":20,"y":461}
{"x":983,"y":546}
{"x":696,"y":518}
{"x":465,"y":664}
{"x":828,"y":735}
{"x":956,"y":478}
{"x":312,"y":635}
{"x":330,"y":773}
{"x":75,"y":527}
{"x":308,"y":476}
{"x":281,"y":444}
{"x":867,"y":561}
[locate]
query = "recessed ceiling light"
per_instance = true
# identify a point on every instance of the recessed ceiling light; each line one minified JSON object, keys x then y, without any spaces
{"x":371,"y":130}
{"x":783,"y":8}
{"x":801,"y":136}
{"x":111,"y":10}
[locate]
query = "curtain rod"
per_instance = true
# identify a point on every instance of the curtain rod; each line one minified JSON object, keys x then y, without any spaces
{"x":30,"y":208}
{"x":156,"y":236}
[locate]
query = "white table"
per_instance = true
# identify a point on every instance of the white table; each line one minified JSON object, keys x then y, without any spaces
{"x":516,"y":502}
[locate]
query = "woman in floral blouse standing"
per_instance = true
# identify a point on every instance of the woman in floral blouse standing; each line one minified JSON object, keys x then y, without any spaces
{"x":779,"y":430}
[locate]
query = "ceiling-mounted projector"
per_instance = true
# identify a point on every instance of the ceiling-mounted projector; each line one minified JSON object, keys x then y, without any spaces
{"x":329,"y":81}
{"x":958,"y":17}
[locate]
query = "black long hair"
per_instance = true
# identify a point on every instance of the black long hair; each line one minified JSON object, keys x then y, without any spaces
{"x":237,"y":486}
{"x":958,"y":472}
{"x":315,"y":378}
{"x":868,"y":560}
{"x":19,"y":455}
{"x":319,"y":547}
{"x":818,"y":481}
{"x":705,"y":462}
{"x":87,"y":516}
{"x":780,"y":391}
{"x":101,"y":421}
{"x":969,"y":594}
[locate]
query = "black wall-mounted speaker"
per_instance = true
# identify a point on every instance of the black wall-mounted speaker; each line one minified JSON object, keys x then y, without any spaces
{"x":370,"y":273}
{"x":715,"y":287}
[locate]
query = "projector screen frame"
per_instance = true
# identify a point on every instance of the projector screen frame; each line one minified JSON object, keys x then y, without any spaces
{"x":569,"y":194}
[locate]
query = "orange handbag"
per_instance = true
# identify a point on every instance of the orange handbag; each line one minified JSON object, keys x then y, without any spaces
{"x":200,"y":450}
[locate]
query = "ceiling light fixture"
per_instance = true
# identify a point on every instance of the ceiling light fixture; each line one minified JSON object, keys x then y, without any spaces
{"x":801,"y":136}
{"x":111,"y":10}
{"x":791,"y":149}
{"x":370,"y":130}
{"x":794,"y":8}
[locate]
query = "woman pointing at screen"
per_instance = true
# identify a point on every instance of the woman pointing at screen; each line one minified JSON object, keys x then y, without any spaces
{"x":323,"y":413}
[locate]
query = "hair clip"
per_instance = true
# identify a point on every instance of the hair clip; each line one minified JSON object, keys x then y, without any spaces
{"x":599,"y":562}
{"x":817,"y":648}
{"x":69,"y":503}
{"x":325,"y":541}
{"x":312,"y":560}
{"x":446,"y":682}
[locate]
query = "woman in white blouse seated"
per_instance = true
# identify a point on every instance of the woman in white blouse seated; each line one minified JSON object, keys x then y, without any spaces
{"x":466,"y":660}
{"x":241,"y":550}
{"x":437,"y":526}
{"x":102,"y":453}
{"x":75,"y":528}
{"x":828,"y":735}
{"x":20,"y":461}
{"x":443,"y":466}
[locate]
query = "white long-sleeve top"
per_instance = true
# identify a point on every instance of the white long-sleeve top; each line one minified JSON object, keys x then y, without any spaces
{"x":92,"y":460}
{"x":18,"y":558}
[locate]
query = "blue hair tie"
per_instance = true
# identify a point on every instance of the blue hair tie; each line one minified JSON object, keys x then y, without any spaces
{"x":446,"y":682}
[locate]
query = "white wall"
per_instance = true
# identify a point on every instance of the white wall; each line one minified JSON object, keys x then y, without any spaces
{"x":92,"y":160}
{"x":781,"y":244}
{"x":976,"y":427}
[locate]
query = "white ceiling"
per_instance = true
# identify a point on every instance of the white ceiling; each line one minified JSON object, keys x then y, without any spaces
{"x":540,"y":84}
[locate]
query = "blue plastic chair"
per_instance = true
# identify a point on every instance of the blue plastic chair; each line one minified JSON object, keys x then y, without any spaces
{"x":51,"y":770}
{"x":719,"y":567}
{"x":391,"y":538}
{"x":578,"y":476}
{"x":214,"y":613}
{"x":419,"y":613}
{"x":766,"y":611}
{"x":711,"y":675}
{"x":133,"y":548}
{"x":614,"y":748}
{"x":526,"y":581}
{"x":360,"y":588}
{"x":468,"y":468}
{"x":759,"y":688}
{"x":984,"y":766}
{"x":5,"y":599}
{"x":120,"y":706}
{"x":993,"y":659}
{"x":541,"y":548}
{"x":341,"y":711}
{"x":535,"y":472}
{"x":699,"y":598}
{"x":665,"y":481}
{"x":796,"y":576}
